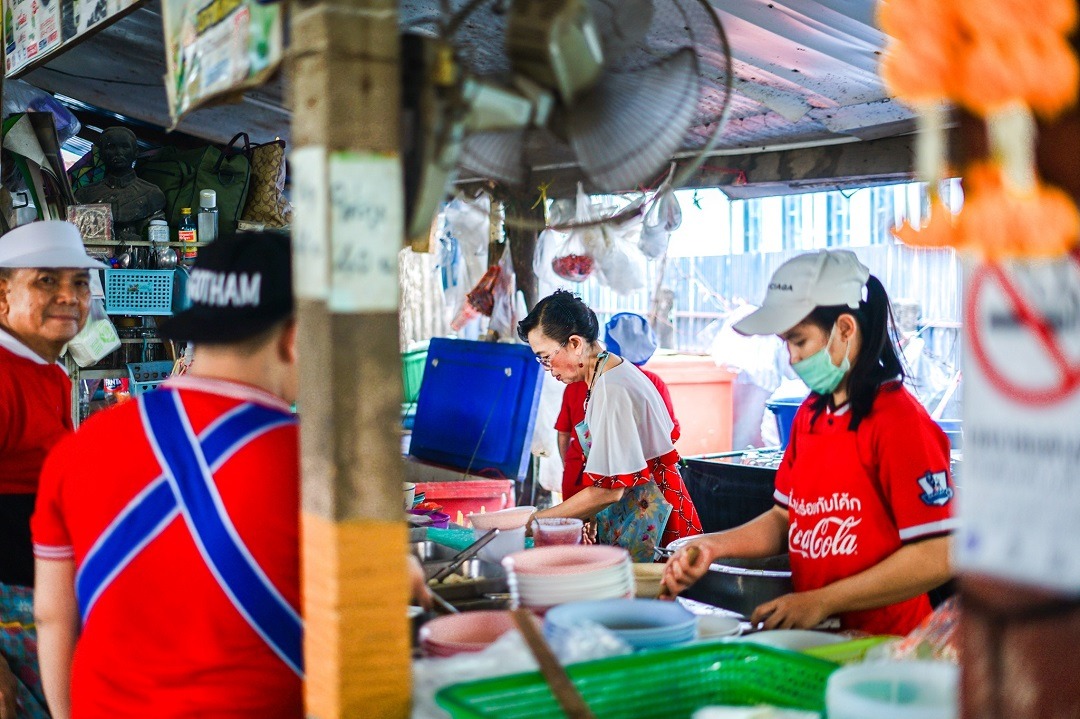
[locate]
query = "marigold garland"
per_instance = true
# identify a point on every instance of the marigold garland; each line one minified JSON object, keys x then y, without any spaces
{"x":997,"y":61}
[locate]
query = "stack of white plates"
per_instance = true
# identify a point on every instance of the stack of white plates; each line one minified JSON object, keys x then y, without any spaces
{"x":641,"y":623}
{"x":548,"y":576}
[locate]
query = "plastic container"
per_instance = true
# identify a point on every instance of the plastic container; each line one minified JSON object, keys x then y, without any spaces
{"x":412,"y":372}
{"x":145,"y":376}
{"x":506,"y":542}
{"x":726,"y":492}
{"x":458,"y":499}
{"x":784,"y":410}
{"x":548,"y":531}
{"x":661,"y":684}
{"x":208,"y":216}
{"x":894,"y":690}
{"x":477,"y":409}
{"x":139,"y":292}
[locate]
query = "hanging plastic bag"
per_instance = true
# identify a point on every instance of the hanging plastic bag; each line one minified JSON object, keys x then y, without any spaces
{"x":479,"y":301}
{"x":622,"y":266}
{"x":663,"y":218}
{"x":504,"y":316}
{"x":97,"y":339}
{"x":583,"y":245}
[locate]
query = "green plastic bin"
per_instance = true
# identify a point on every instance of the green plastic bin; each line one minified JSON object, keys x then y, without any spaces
{"x":663,"y":684}
{"x":412,"y":372}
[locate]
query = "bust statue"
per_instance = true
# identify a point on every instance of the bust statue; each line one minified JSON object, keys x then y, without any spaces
{"x":134,"y":201}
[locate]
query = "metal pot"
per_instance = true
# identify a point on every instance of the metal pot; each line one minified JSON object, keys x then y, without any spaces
{"x":738,"y":585}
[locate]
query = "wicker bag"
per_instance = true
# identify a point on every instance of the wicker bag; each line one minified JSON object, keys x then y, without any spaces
{"x":266,"y":201}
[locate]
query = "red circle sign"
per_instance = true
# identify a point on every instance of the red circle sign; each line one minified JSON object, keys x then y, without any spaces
{"x":1029,"y":317}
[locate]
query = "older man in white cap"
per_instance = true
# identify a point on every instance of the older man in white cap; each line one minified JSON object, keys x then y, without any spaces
{"x":44,"y":300}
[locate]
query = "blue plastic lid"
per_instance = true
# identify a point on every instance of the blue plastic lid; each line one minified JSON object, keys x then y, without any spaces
{"x":477,"y":407}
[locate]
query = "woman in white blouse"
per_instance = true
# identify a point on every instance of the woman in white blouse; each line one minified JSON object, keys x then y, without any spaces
{"x":636,"y":495}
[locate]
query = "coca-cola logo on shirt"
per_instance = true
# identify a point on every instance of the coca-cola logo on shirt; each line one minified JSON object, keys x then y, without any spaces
{"x":828,"y":537}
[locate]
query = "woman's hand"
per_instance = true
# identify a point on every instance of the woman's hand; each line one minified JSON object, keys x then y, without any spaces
{"x":799,"y":610}
{"x":418,"y":586}
{"x":685,"y":567}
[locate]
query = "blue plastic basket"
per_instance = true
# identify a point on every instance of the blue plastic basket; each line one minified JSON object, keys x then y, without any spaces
{"x":145,"y":376}
{"x":139,"y":292}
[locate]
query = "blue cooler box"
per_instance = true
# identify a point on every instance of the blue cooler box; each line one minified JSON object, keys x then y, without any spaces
{"x":477,"y":407}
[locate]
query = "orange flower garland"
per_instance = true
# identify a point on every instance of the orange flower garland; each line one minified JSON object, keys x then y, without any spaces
{"x":995,"y":60}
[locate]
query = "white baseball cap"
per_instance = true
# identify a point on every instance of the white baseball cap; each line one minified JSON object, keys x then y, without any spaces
{"x":52,"y":244}
{"x":825,"y":278}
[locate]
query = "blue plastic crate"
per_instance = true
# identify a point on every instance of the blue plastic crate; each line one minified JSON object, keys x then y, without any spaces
{"x":139,"y":292}
{"x":145,"y":376}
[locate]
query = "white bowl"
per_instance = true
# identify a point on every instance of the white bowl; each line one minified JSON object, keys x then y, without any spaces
{"x":714,"y":626}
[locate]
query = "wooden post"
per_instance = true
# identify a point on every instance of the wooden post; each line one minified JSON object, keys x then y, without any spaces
{"x":522,"y":213}
{"x":348,"y":228}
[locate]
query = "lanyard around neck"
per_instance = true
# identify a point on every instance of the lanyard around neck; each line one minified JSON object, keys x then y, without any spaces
{"x":601,"y":361}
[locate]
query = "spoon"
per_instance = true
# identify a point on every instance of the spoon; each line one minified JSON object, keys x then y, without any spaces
{"x":166,"y":258}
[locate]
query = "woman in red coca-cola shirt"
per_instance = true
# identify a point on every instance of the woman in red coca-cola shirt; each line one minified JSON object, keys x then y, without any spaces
{"x":863,"y":495}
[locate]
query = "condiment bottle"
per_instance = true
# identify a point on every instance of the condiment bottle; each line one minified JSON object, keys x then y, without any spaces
{"x":188,"y":235}
{"x":208,"y":216}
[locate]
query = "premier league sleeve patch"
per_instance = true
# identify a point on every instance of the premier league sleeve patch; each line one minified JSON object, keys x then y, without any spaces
{"x":936,"y":491}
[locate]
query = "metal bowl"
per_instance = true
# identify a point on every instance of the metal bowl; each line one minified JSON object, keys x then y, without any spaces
{"x":738,"y":585}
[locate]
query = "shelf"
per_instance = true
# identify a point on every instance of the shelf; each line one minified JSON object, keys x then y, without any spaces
{"x":143,"y":243}
{"x":101,"y":373}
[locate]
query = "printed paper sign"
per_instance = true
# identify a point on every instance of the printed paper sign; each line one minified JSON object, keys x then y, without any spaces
{"x":215,"y":47}
{"x":1019,"y":499}
{"x":31,"y":30}
{"x":310,"y":238}
{"x":367,"y":230}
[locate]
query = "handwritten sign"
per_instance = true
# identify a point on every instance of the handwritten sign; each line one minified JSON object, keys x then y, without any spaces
{"x":1019,"y":498}
{"x":310,"y":235}
{"x":367,"y":229}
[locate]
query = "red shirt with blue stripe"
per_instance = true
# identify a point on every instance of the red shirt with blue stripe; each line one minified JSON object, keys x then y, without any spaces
{"x":163,"y":639}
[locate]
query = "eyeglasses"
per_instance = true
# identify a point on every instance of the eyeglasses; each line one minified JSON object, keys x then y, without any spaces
{"x":546,"y":361}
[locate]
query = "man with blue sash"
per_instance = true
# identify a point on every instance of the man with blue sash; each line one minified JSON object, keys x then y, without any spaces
{"x":165,"y":532}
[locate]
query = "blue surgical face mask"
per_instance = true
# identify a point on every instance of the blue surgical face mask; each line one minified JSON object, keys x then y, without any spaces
{"x":818,"y":371}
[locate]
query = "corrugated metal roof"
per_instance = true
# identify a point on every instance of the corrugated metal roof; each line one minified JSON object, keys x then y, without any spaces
{"x":804,"y":72}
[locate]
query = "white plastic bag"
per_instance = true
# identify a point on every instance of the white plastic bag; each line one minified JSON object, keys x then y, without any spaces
{"x":97,"y":339}
{"x":504,"y":317}
{"x":663,"y":218}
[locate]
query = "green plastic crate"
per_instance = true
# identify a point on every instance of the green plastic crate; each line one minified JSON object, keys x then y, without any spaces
{"x":412,"y":372}
{"x":663,"y":684}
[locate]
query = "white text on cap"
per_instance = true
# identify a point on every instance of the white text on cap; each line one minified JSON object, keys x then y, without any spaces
{"x":222,"y":289}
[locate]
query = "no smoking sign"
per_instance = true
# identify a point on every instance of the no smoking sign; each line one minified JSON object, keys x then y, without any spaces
{"x":1022,"y":323}
{"x":1018,"y":497}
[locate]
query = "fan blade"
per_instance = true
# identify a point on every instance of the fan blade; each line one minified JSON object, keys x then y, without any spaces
{"x":621,"y":24}
{"x":497,"y":156}
{"x":630,"y":124}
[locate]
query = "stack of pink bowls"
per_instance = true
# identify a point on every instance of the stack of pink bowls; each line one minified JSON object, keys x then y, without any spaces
{"x":548,"y":576}
{"x":453,"y":634}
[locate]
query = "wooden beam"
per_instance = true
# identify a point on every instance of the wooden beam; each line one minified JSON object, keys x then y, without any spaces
{"x":348,"y":229}
{"x":750,"y":174}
